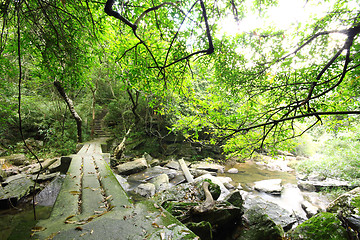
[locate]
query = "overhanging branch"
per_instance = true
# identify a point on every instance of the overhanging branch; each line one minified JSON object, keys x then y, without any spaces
{"x":274,"y":122}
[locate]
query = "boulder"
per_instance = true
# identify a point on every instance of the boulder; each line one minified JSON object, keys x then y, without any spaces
{"x":354,"y":222}
{"x":321,"y":226}
{"x":13,"y":178}
{"x":235,"y":199}
{"x":49,"y":194}
{"x":154,"y":162}
{"x":276,"y":213}
{"x":232,"y":170}
{"x":44,"y":176}
{"x":216,"y":180}
{"x":211,"y":167}
{"x":132,"y":167}
{"x":150,"y":173}
{"x":348,"y":203}
{"x":187,"y":192}
{"x":259,"y":226}
{"x":315,"y":176}
{"x":161,"y":182}
{"x":16,"y":159}
{"x":44,"y":165}
{"x":147,"y":156}
{"x":220,"y":220}
{"x":272,"y":186}
{"x":327,"y":183}
{"x":145,"y":189}
{"x":17,"y":187}
{"x":309,"y":209}
{"x":197,"y":173}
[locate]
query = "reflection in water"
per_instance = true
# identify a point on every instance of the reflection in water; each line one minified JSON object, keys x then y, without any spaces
{"x":16,"y":223}
{"x":250,"y":172}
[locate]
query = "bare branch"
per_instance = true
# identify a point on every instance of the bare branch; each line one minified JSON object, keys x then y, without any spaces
{"x":109,"y":11}
{"x":274,"y":122}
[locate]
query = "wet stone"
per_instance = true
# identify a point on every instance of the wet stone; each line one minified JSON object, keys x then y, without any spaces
{"x":233,"y":170}
{"x":49,"y":194}
{"x":16,"y":189}
{"x":150,"y":173}
{"x":272,"y":186}
{"x":145,"y":189}
{"x":132,"y":167}
{"x":161,"y":182}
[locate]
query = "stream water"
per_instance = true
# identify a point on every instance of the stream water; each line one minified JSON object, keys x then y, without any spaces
{"x":291,"y":196}
{"x":16,"y":223}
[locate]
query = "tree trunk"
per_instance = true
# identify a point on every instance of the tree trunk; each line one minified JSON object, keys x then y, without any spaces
{"x":93,"y":111}
{"x":70,"y":104}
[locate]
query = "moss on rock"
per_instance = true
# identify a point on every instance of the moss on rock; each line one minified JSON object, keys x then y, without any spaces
{"x":321,"y":226}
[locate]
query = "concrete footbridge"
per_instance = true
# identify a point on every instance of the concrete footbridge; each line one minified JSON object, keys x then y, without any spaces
{"x":93,"y":205}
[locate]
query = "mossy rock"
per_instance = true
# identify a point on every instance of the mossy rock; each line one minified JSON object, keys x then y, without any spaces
{"x":178,"y":208}
{"x":348,"y":203}
{"x":214,"y":189}
{"x":259,"y":226}
{"x":203,"y":229}
{"x":321,"y":226}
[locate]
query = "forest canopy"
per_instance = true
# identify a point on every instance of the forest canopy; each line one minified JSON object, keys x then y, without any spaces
{"x":206,"y":66}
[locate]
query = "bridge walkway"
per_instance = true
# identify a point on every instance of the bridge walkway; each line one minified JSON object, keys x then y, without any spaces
{"x":93,"y":205}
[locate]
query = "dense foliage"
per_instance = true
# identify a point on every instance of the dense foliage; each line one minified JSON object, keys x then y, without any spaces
{"x":243,"y":90}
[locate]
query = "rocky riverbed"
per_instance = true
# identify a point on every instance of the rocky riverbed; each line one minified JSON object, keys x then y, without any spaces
{"x":267,"y":194}
{"x":262,"y":197}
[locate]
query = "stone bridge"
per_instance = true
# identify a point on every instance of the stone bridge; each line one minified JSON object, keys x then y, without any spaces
{"x":93,"y":205}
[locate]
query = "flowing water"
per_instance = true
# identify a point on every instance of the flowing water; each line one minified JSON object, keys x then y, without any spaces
{"x":250,"y":172}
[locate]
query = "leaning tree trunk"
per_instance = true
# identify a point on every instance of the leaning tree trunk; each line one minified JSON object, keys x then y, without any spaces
{"x":70,"y":104}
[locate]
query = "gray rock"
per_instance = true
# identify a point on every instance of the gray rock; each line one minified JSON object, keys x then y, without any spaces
{"x":132,"y":167}
{"x":150,"y":173}
{"x":173,"y":165}
{"x":197,"y":173}
{"x":16,"y":159}
{"x":44,"y":165}
{"x":13,"y":178}
{"x":306,"y":186}
{"x":211,"y":167}
{"x":145,"y":189}
{"x":309,"y":209}
{"x":161,"y":182}
{"x":216,"y":180}
{"x":354,"y":222}
{"x":279,"y":215}
{"x":123,"y":182}
{"x":272,"y":186}
{"x":316,"y":177}
{"x":19,"y":187}
{"x":49,"y":194}
{"x":259,"y":226}
{"x":154,"y":162}
{"x":233,"y":170}
{"x":229,"y":186}
{"x":346,"y":203}
{"x":313,"y":186}
{"x":235,"y":199}
{"x":178,"y":179}
{"x":45,"y":177}
{"x":147,"y":156}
